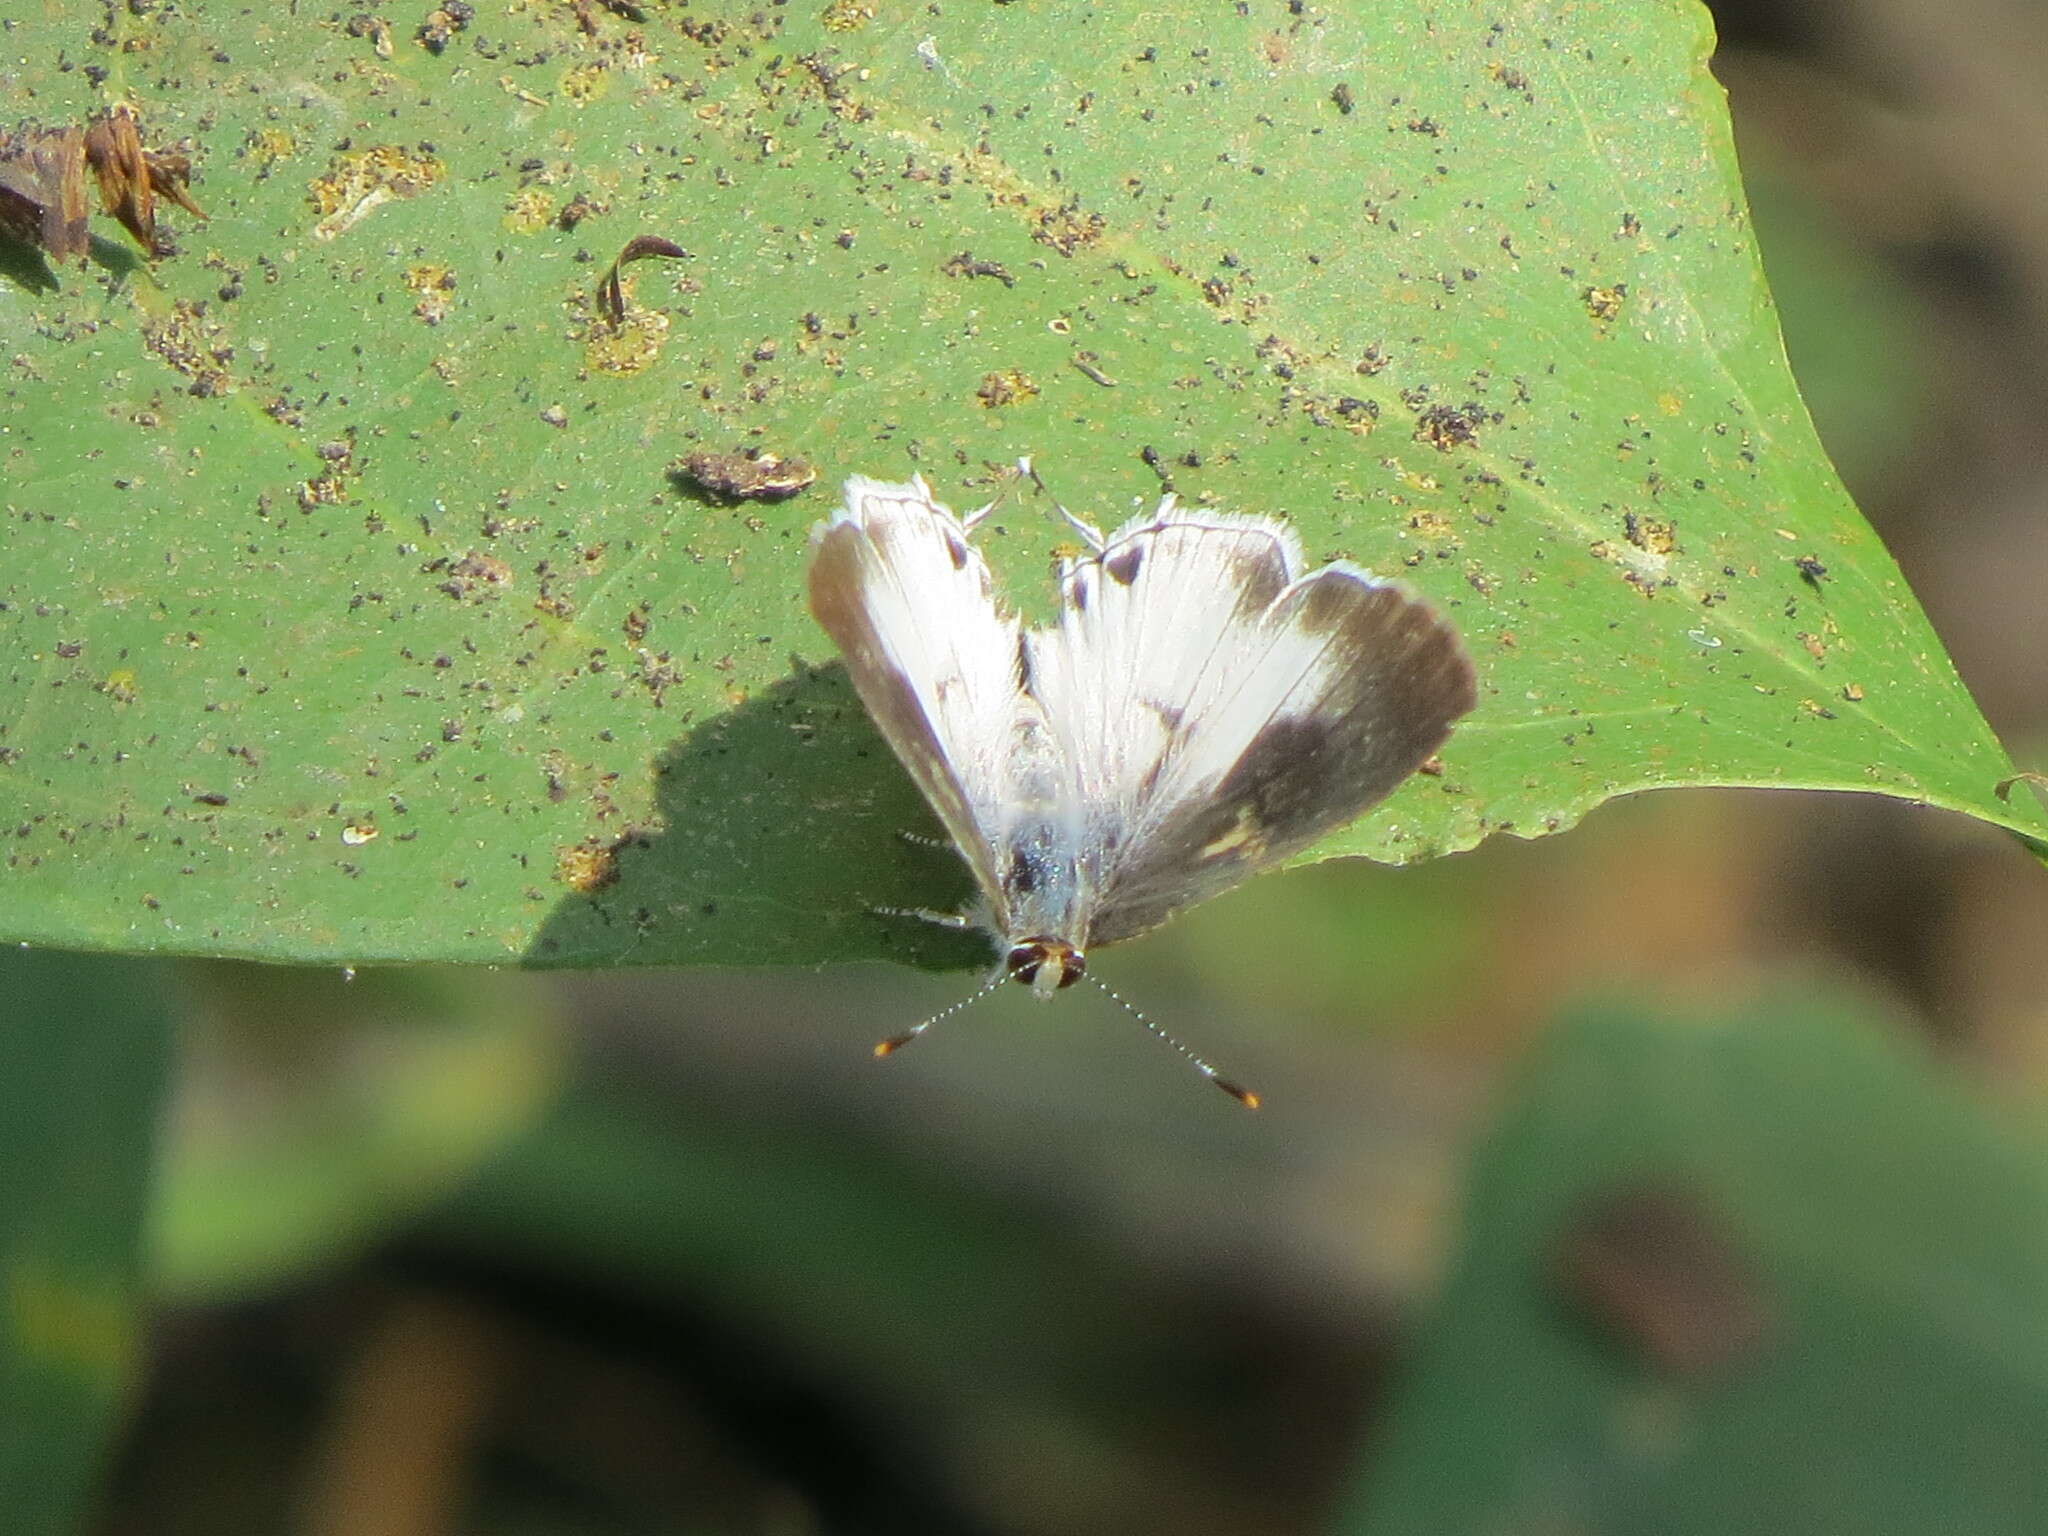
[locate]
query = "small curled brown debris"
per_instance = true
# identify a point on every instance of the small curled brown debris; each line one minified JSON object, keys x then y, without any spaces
{"x":748,"y":474}
{"x":1089,"y":366}
{"x":611,"y":298}
{"x":42,"y":189}
{"x":2003,"y":789}
{"x":132,"y":178}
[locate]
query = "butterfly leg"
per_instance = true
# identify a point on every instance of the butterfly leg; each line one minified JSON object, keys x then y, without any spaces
{"x":928,"y":915}
{"x":974,"y":917}
{"x":921,"y":840}
{"x":1090,"y":534}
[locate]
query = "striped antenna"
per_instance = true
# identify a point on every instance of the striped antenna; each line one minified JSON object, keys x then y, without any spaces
{"x":1242,"y":1094}
{"x":895,"y":1043}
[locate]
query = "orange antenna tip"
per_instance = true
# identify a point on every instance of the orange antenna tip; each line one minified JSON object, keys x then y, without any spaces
{"x":1243,"y":1096}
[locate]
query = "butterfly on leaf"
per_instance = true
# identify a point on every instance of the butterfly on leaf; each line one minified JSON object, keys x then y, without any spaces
{"x":1201,"y":707}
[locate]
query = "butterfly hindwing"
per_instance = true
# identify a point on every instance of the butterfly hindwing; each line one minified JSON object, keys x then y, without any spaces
{"x":1225,"y":711}
{"x":1142,"y":646}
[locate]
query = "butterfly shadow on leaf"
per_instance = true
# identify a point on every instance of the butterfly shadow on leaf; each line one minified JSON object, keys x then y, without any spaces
{"x":778,"y":832}
{"x":28,"y":268}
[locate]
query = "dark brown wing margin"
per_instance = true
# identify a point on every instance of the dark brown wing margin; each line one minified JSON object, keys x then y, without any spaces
{"x":1402,"y":679}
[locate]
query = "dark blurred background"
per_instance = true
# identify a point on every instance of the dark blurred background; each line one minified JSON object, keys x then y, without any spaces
{"x":669,"y":1253}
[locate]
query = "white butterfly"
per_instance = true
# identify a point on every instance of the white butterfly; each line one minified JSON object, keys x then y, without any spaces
{"x":1200,"y":710}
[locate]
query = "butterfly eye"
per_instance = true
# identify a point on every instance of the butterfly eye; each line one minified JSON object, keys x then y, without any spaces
{"x":1028,"y":962}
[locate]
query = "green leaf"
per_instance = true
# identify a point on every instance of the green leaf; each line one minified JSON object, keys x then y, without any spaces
{"x":82,"y":1067}
{"x":1767,"y":1272}
{"x":350,"y":611}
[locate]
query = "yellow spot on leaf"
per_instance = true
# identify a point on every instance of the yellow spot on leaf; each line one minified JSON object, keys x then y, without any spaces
{"x":585,"y":83}
{"x":358,"y":183}
{"x":1010,"y":386}
{"x":847,"y":15}
{"x":529,"y":212}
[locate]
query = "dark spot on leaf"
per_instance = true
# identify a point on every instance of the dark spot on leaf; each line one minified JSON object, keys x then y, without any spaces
{"x":1445,"y":427}
{"x":967,"y":264}
{"x":753,"y":474}
{"x":442,"y":23}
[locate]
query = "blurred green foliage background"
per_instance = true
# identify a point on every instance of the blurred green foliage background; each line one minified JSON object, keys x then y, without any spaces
{"x":1684,"y":1173}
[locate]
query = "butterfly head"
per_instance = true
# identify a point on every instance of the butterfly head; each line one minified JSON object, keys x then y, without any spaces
{"x":1045,"y":965}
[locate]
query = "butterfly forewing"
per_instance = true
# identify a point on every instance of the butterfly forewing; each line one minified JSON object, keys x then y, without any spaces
{"x":910,"y":604}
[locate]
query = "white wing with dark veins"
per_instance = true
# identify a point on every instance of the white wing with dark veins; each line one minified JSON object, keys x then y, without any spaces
{"x":895,"y":582}
{"x":1220,"y":711}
